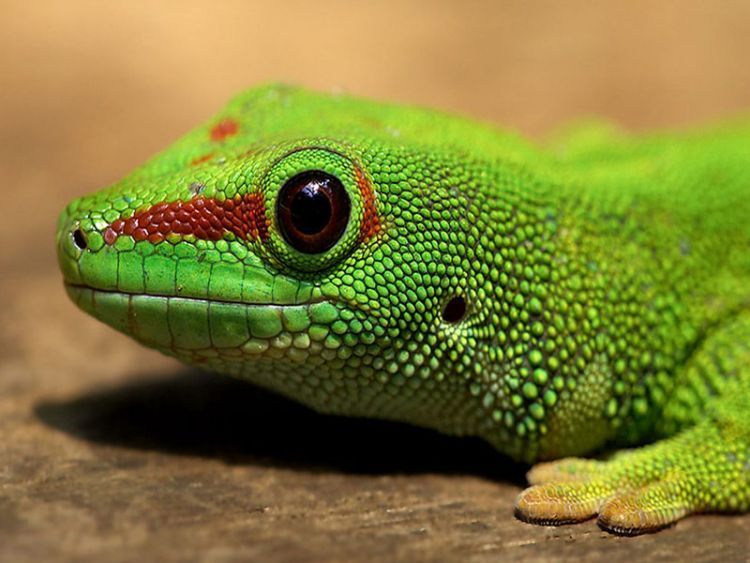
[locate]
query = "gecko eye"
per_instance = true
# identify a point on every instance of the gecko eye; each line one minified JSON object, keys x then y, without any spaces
{"x":313,"y":210}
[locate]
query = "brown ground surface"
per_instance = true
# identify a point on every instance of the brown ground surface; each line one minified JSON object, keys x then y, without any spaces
{"x":111,"y":452}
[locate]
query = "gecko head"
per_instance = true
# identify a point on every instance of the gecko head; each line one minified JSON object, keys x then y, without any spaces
{"x":303,"y":243}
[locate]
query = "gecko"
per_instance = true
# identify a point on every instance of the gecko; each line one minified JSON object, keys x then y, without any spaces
{"x":584,"y":294}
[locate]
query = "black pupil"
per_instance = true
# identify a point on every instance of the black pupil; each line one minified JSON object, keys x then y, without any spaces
{"x":311,"y":208}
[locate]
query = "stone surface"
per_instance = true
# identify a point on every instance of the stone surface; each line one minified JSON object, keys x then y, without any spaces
{"x":112,"y":452}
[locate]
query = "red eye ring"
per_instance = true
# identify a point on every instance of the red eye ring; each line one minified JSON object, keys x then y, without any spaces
{"x":313,"y":210}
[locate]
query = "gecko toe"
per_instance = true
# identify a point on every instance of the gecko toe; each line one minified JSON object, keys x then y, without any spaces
{"x":559,"y":503}
{"x":646,"y":510}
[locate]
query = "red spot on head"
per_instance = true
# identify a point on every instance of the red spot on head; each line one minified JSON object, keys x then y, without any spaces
{"x":370,"y":225}
{"x":110,"y":235}
{"x":203,"y":218}
{"x":201,"y":159}
{"x":223,"y":129}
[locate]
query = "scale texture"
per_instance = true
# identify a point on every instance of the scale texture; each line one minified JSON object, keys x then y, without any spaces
{"x":587,"y":294}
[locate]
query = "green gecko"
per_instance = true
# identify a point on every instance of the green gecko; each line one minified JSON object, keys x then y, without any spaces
{"x":556,"y":299}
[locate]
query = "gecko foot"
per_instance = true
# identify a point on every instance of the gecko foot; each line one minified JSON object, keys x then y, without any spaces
{"x":644,"y":490}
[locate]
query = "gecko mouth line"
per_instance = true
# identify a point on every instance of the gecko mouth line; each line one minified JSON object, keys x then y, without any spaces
{"x":81,"y":287}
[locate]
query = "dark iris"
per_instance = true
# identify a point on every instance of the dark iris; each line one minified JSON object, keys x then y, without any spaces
{"x":313,"y":210}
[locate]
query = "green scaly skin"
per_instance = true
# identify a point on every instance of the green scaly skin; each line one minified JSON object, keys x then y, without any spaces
{"x":606,"y":280}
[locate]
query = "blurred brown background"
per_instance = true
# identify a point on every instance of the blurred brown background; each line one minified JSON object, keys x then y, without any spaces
{"x":110,"y":451}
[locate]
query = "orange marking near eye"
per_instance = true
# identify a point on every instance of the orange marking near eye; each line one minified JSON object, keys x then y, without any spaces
{"x":370,"y":225}
{"x":201,"y":159}
{"x":225,"y":128}
{"x":201,"y":217}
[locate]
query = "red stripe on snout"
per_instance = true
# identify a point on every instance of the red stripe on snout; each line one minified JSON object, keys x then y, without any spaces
{"x":201,"y":217}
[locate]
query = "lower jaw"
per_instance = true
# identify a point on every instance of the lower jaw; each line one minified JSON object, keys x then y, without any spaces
{"x":226,"y":338}
{"x":266,"y":345}
{"x":197,"y":330}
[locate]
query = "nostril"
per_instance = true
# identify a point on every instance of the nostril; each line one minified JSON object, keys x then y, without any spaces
{"x":79,"y":239}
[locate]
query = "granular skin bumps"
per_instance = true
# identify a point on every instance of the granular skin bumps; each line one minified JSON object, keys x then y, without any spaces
{"x":554,"y":300}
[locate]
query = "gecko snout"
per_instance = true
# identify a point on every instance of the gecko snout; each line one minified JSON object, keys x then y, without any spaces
{"x":74,"y":240}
